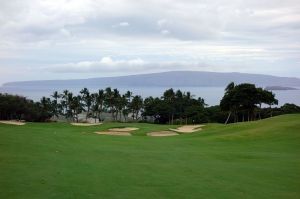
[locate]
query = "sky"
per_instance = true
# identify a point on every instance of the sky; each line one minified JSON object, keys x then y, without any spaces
{"x":67,"y":39}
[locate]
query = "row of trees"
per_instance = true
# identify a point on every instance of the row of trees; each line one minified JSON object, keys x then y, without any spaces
{"x":21,"y":108}
{"x":245,"y":100}
{"x":176,"y":107}
{"x":95,"y":104}
{"x":171,"y":106}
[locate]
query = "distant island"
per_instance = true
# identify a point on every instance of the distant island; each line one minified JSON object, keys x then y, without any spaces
{"x":280,"y":88}
{"x":163,"y":79}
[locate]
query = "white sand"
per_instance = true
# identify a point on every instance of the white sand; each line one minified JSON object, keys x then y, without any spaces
{"x":12,"y":122}
{"x":113,"y":133}
{"x":162,"y":133}
{"x":188,"y":128}
{"x":118,"y":131}
{"x":86,"y":124}
{"x":126,"y":129}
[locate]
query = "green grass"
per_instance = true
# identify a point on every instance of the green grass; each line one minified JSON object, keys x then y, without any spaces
{"x":246,"y":160}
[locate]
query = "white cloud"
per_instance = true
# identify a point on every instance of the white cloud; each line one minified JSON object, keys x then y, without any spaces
{"x":124,"y":24}
{"x":165,"y":32}
{"x":121,"y":24}
{"x":106,"y":64}
{"x":161,"y":22}
{"x":65,"y":32}
{"x":225,"y":34}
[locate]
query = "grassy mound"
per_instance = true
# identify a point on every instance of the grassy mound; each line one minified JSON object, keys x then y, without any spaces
{"x":246,"y":160}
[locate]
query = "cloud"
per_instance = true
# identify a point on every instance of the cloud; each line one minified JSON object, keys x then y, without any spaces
{"x":36,"y":20}
{"x":225,"y":35}
{"x":191,"y":20}
{"x":108,"y":65}
{"x":161,"y":22}
{"x":165,"y":32}
{"x":124,"y":24}
{"x":121,"y":24}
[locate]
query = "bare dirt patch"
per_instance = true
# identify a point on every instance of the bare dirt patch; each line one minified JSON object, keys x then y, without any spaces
{"x":86,"y":124}
{"x":188,"y":128}
{"x":114,"y":133}
{"x":162,"y":133}
{"x":125,"y":129}
{"x":12,"y":122}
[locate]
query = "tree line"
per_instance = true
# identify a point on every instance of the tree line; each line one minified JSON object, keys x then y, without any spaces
{"x":93,"y":105}
{"x":171,"y":107}
{"x":14,"y":107}
{"x":123,"y":107}
{"x":175,"y":107}
{"x":243,"y":102}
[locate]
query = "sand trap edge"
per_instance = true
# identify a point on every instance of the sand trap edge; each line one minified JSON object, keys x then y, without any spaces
{"x":162,"y":133}
{"x":16,"y":123}
{"x":125,"y":129}
{"x":114,"y":133}
{"x":188,"y":129}
{"x":85,"y":124}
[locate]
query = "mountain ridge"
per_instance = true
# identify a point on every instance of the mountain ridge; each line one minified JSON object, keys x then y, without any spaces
{"x":166,"y":79}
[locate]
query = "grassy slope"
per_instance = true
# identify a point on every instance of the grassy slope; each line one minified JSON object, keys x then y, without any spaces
{"x":247,"y":160}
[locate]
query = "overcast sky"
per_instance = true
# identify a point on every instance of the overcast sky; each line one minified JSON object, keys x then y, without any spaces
{"x":63,"y":39}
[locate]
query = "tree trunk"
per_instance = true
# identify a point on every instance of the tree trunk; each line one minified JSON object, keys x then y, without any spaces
{"x":87,"y":114}
{"x":259,"y":116}
{"x":228,"y":117}
{"x":248,"y":117}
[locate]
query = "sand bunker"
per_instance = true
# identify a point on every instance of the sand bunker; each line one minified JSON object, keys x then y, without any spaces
{"x":113,"y":133}
{"x":118,"y":131}
{"x":162,"y":133}
{"x":188,"y":128}
{"x":126,"y":129}
{"x":86,"y":124}
{"x":12,"y":122}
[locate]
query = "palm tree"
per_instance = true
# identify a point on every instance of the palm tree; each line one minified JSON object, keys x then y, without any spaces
{"x":136,"y":105}
{"x":94,"y":106}
{"x":230,"y":87}
{"x":46,"y":107}
{"x":69,"y":103}
{"x":86,"y":97}
{"x":56,"y":105}
{"x":116,"y":103}
{"x":227,"y":103}
{"x":179,"y":104}
{"x":269,"y":99}
{"x":125,"y":102}
{"x":187,"y":98}
{"x":76,"y":107}
{"x":169,"y":98}
{"x":108,"y":100}
{"x":64,"y":102}
{"x":100,"y":102}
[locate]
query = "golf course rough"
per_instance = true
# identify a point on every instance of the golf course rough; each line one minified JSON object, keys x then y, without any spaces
{"x":258,"y":159}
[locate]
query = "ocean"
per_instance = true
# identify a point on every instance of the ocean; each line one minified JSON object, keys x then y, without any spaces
{"x":211,"y":95}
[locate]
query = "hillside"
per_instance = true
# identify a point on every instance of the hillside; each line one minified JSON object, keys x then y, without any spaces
{"x":165,"y":79}
{"x":245,"y":160}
